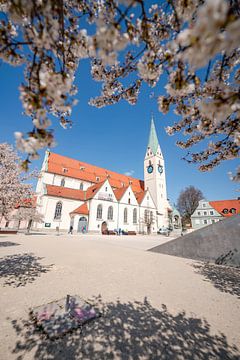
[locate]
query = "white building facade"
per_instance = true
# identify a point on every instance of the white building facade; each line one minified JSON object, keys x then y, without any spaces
{"x":87,"y":198}
{"x":210,"y":212}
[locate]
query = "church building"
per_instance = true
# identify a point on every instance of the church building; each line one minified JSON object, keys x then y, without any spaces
{"x":71,"y":193}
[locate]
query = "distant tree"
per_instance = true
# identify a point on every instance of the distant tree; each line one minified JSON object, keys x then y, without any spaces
{"x":188,"y":201}
{"x":13,"y":188}
{"x":29,"y":214}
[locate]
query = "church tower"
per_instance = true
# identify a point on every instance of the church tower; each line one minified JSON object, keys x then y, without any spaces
{"x":155,"y":178}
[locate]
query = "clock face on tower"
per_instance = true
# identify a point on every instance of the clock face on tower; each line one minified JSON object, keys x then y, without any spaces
{"x":160,"y":169}
{"x":150,"y":169}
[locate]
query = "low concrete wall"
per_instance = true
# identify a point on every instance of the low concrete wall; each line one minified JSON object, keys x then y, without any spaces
{"x":219,"y":243}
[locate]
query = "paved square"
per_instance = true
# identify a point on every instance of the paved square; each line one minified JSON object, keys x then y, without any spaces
{"x":154,"y":306}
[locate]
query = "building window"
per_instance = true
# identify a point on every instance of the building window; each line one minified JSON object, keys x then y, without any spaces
{"x":125,"y":216}
{"x":106,"y":189}
{"x":225,"y":211}
{"x":129,"y":201}
{"x":134,"y":216}
{"x":110,"y":213}
{"x":81,"y":186}
{"x":58,"y":210}
{"x":62,"y":182}
{"x":211,"y":212}
{"x":233,"y":211}
{"x":213,"y":221}
{"x":97,"y":178}
{"x":204,"y":205}
{"x":205,"y":221}
{"x":205,"y":213}
{"x":199,"y":213}
{"x":65,"y":170}
{"x":99,"y":211}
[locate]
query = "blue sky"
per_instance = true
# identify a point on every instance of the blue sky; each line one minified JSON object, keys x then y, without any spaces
{"x":114,"y":137}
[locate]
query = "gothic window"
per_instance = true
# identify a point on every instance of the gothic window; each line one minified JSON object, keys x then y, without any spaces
{"x":58,"y":210}
{"x":62,"y":182}
{"x":99,"y":211}
{"x":134,"y":216}
{"x":110,"y":213}
{"x":125,"y":216}
{"x":81,"y":186}
{"x":129,"y":201}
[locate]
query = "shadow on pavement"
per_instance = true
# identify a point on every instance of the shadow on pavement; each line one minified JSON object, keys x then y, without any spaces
{"x":21,"y":269}
{"x":224,"y":278}
{"x":7,"y":243}
{"x":132,"y":330}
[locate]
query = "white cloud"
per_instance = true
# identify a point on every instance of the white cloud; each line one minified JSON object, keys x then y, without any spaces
{"x":129,"y":173}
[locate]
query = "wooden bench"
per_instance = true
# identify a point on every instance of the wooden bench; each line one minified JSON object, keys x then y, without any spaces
{"x":11,"y":232}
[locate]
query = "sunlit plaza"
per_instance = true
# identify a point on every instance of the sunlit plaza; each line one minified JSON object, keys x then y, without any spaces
{"x":152,"y":306}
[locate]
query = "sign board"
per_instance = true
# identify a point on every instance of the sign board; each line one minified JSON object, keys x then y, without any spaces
{"x":47,"y":224}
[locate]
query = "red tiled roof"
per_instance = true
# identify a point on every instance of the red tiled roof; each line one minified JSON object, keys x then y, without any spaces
{"x":83,"y":171}
{"x":92,"y":190}
{"x":220,"y":205}
{"x":119,"y":192}
{"x":140,"y":196}
{"x":64,"y":192}
{"x":82,"y":210}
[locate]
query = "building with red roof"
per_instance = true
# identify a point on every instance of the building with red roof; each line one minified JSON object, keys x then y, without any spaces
{"x":74,"y":193}
{"x":209,"y":212}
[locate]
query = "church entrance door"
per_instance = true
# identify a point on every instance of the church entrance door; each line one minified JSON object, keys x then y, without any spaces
{"x":104,"y":227}
{"x":82,"y":224}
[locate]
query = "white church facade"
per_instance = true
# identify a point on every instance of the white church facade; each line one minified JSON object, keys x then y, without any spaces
{"x":87,"y":198}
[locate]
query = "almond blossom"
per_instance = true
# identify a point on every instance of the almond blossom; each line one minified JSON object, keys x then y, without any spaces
{"x":13,"y":187}
{"x":129,"y":43}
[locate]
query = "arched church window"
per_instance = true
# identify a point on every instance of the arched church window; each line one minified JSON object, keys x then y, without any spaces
{"x":62,"y":182}
{"x":125,"y":216}
{"x":110,"y":213}
{"x":81,"y":186}
{"x":134,"y":216}
{"x":58,"y":210}
{"x":99,"y":211}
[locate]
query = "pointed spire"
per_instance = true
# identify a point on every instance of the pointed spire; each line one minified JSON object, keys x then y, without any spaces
{"x":153,"y":140}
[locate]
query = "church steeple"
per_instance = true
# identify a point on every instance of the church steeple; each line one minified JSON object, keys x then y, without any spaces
{"x":154,"y":175}
{"x":153,"y":139}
